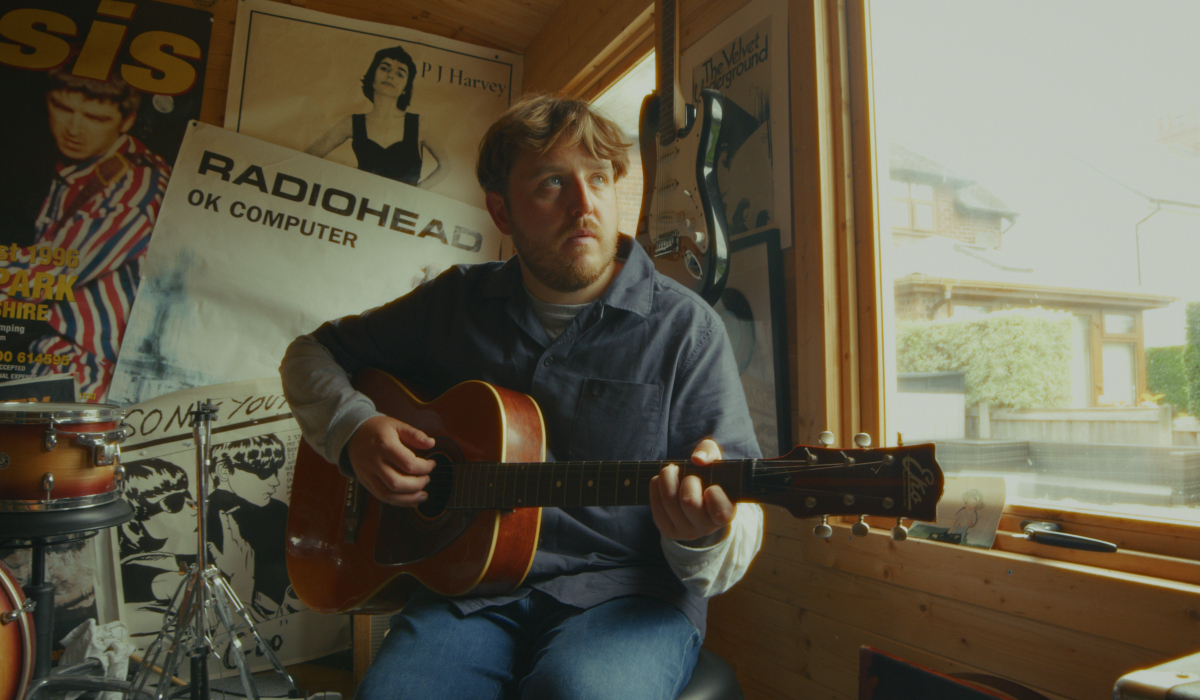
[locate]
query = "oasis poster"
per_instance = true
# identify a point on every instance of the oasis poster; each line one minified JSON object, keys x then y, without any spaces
{"x":98,"y":95}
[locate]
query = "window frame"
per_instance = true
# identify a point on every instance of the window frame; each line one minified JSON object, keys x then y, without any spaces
{"x":1160,"y":547}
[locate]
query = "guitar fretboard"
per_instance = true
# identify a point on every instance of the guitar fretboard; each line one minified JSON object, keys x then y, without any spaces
{"x":666,"y":75}
{"x":562,"y":484}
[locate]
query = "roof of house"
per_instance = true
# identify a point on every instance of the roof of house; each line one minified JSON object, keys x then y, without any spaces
{"x":937,"y":262}
{"x":904,"y":164}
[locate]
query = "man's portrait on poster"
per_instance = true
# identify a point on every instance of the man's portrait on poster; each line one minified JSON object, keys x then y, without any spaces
{"x":91,"y":231}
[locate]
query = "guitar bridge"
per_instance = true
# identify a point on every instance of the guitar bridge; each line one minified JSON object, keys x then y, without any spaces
{"x":666,"y":244}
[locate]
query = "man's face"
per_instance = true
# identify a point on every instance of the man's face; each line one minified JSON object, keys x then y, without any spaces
{"x":84,"y":128}
{"x":562,"y":214}
{"x":249,"y":486}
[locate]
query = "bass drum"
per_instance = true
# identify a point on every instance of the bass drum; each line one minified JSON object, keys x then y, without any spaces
{"x":16,"y":638}
{"x":59,"y":456}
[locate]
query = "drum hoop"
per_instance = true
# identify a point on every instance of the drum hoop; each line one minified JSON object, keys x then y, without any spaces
{"x":53,"y":413}
{"x":70,"y":503}
{"x":25,"y":623}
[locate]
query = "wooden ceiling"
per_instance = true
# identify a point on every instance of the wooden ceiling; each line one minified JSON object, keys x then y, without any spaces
{"x":571,"y":47}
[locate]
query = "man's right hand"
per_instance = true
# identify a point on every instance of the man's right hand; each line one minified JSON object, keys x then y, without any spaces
{"x":381,"y":452}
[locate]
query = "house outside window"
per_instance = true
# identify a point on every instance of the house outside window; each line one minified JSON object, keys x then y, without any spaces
{"x":1052,"y":252}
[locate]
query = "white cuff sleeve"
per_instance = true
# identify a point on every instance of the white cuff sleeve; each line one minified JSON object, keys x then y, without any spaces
{"x":714,"y":567}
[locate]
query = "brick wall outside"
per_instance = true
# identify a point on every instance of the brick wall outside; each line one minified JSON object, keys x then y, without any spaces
{"x":969,"y":227}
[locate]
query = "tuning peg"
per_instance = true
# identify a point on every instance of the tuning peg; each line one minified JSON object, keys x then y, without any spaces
{"x":823,"y":530}
{"x":826,"y":438}
{"x":860,"y":528}
{"x":862,"y":440}
{"x":899,"y":533}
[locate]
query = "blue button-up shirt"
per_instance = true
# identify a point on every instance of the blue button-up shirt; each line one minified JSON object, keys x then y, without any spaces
{"x":643,"y":373}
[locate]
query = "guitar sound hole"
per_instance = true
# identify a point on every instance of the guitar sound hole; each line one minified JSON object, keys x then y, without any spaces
{"x":439,"y":488}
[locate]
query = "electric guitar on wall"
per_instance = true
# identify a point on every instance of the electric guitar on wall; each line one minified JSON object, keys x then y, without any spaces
{"x":681,"y":224}
{"x":478,"y":530}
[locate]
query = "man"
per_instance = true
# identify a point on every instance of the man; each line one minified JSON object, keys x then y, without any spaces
{"x":94,"y":226}
{"x":624,"y":363}
{"x":247,"y":525}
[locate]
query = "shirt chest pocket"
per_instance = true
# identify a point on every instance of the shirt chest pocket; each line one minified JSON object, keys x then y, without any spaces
{"x":617,"y":420}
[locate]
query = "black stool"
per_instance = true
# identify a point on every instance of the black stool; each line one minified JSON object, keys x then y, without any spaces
{"x":713,"y":679}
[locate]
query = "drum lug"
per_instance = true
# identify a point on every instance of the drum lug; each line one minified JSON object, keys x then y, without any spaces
{"x":14,"y":615}
{"x":51,"y":438}
{"x":47,"y":484}
{"x":3,"y":460}
{"x":103,"y":451}
{"x":119,"y":477}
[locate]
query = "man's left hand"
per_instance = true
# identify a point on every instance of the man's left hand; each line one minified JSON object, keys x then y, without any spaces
{"x":684,"y":510}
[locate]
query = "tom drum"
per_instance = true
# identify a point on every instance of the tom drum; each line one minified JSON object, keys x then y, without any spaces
{"x":58,"y":456}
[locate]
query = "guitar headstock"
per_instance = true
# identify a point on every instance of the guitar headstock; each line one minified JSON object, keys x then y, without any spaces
{"x":896,"y":482}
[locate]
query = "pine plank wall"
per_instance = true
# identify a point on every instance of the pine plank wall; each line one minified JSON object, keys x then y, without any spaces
{"x":793,"y":627}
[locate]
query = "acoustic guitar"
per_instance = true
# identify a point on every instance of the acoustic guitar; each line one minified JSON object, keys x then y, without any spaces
{"x":478,"y":530}
{"x":682,"y":221}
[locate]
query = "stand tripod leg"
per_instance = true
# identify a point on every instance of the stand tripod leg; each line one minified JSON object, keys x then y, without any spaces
{"x":220,"y":597}
{"x":225,"y":594}
{"x":175,"y":633}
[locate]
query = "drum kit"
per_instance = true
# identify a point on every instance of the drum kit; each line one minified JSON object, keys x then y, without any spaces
{"x":61,"y":480}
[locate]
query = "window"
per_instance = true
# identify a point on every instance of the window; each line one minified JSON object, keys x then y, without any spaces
{"x":912,"y":206}
{"x":1082,"y":152}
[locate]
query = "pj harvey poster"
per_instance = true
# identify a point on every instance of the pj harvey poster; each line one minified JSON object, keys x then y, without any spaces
{"x":396,"y":102}
{"x":97,"y":96}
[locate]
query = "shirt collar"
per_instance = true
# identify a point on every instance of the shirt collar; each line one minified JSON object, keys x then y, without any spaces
{"x":631,"y":290}
{"x":71,"y":169}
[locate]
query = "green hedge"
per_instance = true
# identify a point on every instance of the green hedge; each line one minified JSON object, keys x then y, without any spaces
{"x":1165,"y":375}
{"x":1020,"y":358}
{"x":1191,"y":358}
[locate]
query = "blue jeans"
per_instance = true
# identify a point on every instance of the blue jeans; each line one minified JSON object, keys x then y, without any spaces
{"x":535,"y":648}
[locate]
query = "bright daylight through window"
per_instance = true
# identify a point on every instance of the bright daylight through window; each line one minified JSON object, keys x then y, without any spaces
{"x":1039,"y":199}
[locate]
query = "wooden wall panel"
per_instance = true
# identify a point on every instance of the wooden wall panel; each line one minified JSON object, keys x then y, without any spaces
{"x":1066,"y":630}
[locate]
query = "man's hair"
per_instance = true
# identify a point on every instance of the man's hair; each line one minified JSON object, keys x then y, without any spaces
{"x":541,"y":123}
{"x":262,"y":456}
{"x":395,"y":53}
{"x":115,"y":89}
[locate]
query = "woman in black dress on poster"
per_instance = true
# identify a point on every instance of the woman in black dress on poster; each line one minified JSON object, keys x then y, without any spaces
{"x":386,"y":139}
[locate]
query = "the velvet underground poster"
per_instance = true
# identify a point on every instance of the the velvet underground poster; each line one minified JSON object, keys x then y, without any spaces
{"x":257,"y":244}
{"x":97,"y":97}
{"x":746,"y":59}
{"x":396,"y":102}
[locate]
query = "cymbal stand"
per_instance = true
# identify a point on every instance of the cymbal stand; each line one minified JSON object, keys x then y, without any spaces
{"x":204,"y":603}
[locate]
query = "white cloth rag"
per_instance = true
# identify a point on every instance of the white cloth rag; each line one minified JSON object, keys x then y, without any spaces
{"x":108,"y":642}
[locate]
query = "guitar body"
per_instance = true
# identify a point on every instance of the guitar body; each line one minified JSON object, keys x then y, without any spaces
{"x":348,"y":553}
{"x":682,"y":222}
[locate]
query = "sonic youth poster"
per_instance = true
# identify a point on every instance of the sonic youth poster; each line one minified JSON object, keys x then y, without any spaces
{"x":396,"y":102}
{"x":746,"y":59}
{"x":254,"y":441}
{"x":97,"y":96}
{"x":257,"y":244}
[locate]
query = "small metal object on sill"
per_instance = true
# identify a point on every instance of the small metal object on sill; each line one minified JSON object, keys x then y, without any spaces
{"x":1052,"y":534}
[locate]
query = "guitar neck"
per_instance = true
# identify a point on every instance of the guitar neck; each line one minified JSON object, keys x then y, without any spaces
{"x":671,"y":116}
{"x":562,"y":484}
